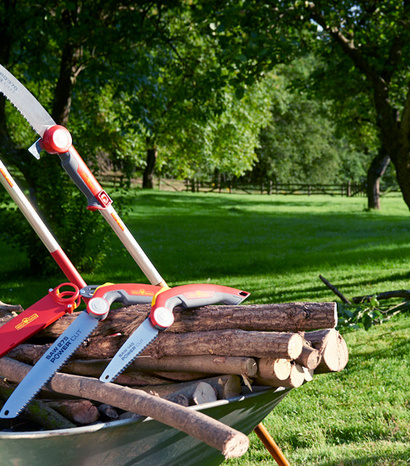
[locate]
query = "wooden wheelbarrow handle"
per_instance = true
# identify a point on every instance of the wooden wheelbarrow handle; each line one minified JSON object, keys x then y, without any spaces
{"x":271,"y":445}
{"x":230,"y":442}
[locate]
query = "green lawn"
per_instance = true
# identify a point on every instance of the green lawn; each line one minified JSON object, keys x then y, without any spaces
{"x":275,"y":247}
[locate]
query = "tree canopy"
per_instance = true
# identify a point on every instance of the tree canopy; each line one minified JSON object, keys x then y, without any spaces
{"x":187,"y":88}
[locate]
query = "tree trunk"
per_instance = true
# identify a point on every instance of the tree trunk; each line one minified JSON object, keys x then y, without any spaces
{"x":376,"y":171}
{"x":148,"y":177}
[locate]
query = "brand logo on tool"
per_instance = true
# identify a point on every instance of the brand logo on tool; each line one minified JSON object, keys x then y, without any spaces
{"x":142,"y":292}
{"x":26,"y":321}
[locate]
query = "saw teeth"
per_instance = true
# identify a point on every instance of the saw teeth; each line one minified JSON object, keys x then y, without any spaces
{"x":21,"y":113}
{"x":109,"y":379}
{"x":68,"y":354}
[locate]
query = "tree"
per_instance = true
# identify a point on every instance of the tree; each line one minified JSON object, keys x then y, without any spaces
{"x":373,"y":37}
{"x":302,"y":142}
{"x":54,"y":50}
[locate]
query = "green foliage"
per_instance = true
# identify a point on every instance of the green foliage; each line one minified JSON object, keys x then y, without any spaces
{"x":366,"y":315}
{"x":81,"y":233}
{"x":303,"y":142}
{"x":275,"y":247}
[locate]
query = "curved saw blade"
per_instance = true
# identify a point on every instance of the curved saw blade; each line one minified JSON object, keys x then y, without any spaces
{"x":25,"y":102}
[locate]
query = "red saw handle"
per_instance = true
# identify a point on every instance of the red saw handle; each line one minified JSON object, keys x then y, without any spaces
{"x":38,"y":316}
{"x":189,"y":296}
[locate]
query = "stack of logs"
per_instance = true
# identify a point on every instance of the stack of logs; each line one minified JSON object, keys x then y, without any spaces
{"x":208,"y":353}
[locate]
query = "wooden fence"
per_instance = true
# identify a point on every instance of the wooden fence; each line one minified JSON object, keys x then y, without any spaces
{"x":266,"y":187}
{"x":271,"y":188}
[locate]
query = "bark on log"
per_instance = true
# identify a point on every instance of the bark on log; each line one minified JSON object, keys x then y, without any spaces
{"x":332,"y":347}
{"x":206,"y":364}
{"x":78,"y":411}
{"x":228,"y":441}
{"x":237,"y":343}
{"x":228,"y":343}
{"x":9,"y":311}
{"x":255,"y":317}
{"x":181,"y":376}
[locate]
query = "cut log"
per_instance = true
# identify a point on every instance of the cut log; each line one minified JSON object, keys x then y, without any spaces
{"x":219,"y":343}
{"x":108,"y":411}
{"x":276,"y":369}
{"x":203,"y":393}
{"x":295,"y":379}
{"x":225,"y":386}
{"x":309,"y":373}
{"x":228,"y":441}
{"x":284,"y":317}
{"x":332,"y":347}
{"x":95,"y":367}
{"x":204,"y":364}
{"x":309,"y":357}
{"x":228,"y":343}
{"x":78,"y":411}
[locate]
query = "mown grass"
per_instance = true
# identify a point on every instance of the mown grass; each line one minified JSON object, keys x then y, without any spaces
{"x":275,"y":247}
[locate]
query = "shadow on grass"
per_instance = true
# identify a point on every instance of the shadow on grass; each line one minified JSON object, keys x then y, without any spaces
{"x":393,"y":459}
{"x":247,"y":240}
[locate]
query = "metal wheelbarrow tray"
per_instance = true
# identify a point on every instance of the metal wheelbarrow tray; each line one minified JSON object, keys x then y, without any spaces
{"x":135,"y":442}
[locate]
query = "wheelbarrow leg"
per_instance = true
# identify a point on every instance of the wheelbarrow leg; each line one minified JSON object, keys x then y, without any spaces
{"x":271,"y":445}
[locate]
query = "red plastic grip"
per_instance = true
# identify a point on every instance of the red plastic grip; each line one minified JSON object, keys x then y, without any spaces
{"x":57,"y":140}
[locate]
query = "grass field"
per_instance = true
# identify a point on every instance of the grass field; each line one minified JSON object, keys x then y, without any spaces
{"x":275,"y":247}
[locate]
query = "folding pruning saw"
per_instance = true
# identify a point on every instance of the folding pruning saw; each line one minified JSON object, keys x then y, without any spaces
{"x":98,"y":306}
{"x":161,"y":317}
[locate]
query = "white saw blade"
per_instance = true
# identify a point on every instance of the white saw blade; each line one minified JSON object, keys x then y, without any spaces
{"x":134,"y":345}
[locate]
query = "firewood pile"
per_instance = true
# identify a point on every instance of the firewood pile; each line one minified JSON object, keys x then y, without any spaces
{"x":209,"y":353}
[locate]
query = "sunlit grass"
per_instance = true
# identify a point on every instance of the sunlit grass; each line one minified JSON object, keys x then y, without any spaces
{"x":275,"y":247}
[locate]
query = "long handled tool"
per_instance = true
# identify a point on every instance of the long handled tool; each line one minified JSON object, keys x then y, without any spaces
{"x":56,"y":139}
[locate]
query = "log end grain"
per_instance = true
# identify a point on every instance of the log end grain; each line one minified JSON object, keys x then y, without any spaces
{"x":236,"y":446}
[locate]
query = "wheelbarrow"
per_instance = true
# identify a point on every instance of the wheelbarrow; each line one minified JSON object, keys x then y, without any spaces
{"x":136,"y":441}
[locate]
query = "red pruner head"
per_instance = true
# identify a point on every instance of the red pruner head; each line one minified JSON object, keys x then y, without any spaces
{"x":57,"y":140}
